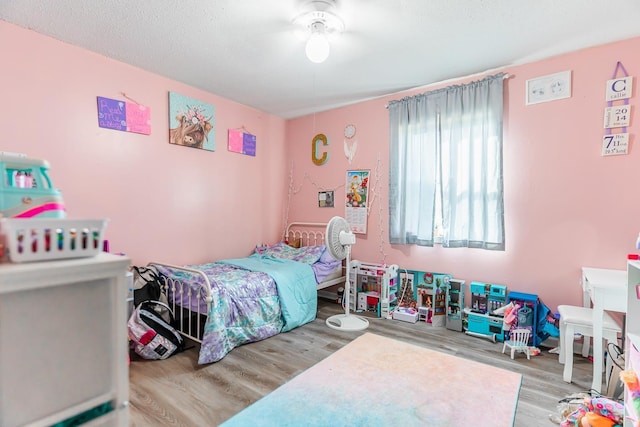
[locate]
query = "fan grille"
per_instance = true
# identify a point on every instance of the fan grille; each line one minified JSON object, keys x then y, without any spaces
{"x":332,"y":239}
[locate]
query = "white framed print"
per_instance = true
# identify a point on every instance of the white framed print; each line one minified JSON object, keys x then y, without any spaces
{"x":549,"y":88}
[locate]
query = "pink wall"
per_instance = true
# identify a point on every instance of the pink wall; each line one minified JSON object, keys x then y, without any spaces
{"x":566,"y":206}
{"x":164,"y":202}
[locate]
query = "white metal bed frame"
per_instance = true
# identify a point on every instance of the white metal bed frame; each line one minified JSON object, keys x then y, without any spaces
{"x":190,"y":320}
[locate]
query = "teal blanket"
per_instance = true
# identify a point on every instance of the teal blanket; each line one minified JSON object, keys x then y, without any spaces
{"x":296,"y":284}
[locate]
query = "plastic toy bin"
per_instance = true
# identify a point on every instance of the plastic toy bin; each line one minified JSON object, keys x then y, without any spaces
{"x":41,"y":239}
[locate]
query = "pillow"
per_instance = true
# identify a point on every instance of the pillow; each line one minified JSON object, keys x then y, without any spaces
{"x":295,"y":243}
{"x":327,"y":258}
{"x":305,"y":254}
{"x":280,"y":250}
{"x":309,"y":254}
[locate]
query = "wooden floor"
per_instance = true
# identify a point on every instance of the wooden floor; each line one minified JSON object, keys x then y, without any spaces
{"x":179,"y":392}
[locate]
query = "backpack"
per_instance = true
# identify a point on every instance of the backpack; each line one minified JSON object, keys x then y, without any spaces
{"x":152,"y":335}
{"x":615,"y":385}
{"x":147,"y":285}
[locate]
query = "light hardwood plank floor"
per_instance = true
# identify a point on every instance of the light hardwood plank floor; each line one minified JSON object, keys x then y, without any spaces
{"x":179,"y":392}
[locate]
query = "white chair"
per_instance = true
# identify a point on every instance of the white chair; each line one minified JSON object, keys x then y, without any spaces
{"x":579,"y":320}
{"x":518,"y":341}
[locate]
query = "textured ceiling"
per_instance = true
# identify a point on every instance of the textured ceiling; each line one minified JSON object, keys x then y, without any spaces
{"x":246,"y":50}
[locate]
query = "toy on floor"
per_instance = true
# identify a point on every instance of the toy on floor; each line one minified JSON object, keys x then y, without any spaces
{"x":630,"y":380}
{"x":595,"y":412}
{"x":591,"y":419}
{"x":510,"y":315}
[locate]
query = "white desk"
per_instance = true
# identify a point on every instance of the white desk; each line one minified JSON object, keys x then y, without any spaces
{"x":607,"y":290}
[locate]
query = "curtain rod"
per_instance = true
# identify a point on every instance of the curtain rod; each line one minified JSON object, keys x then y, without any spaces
{"x":506,"y":76}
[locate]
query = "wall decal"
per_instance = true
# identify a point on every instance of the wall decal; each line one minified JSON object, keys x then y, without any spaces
{"x":123,"y":116}
{"x":191,"y":122}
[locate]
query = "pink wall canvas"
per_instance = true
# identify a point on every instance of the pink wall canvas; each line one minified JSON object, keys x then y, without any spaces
{"x":242,"y":142}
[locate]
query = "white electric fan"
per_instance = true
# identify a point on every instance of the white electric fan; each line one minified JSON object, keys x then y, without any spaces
{"x":339,"y":239}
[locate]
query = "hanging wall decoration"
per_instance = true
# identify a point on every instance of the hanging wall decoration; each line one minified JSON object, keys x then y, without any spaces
{"x":619,"y":89}
{"x":191,"y":123}
{"x":357,"y":199}
{"x":241,"y":141}
{"x":315,"y":149}
{"x":124,"y":116}
{"x":350,"y":142}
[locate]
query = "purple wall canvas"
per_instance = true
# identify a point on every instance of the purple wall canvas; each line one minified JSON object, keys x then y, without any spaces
{"x":123,"y":116}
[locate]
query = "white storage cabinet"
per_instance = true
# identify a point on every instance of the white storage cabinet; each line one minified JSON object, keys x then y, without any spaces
{"x":63,"y":341}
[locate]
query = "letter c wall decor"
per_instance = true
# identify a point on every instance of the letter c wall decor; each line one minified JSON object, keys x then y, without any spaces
{"x":315,"y":149}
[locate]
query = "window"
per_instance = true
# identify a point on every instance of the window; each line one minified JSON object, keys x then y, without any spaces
{"x":445,"y":172}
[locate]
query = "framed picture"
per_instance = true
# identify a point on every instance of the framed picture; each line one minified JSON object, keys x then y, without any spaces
{"x":191,"y":123}
{"x":549,"y":88}
{"x":325,"y":199}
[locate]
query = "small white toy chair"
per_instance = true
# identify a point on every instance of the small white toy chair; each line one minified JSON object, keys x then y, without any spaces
{"x":579,"y":320}
{"x":518,"y":341}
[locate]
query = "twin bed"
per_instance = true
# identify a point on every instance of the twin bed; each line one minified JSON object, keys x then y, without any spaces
{"x":227,"y":303}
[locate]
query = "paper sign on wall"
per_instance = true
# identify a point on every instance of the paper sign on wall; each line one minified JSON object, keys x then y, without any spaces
{"x":124,"y":116}
{"x":242,"y":142}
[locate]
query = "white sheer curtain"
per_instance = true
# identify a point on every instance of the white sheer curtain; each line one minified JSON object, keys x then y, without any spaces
{"x":446,"y":152}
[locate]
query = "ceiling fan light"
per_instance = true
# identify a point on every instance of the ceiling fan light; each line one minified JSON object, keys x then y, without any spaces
{"x":317,"y":48}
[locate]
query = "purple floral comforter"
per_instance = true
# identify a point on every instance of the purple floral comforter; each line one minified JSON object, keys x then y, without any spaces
{"x":245,"y":307}
{"x":246,"y":304}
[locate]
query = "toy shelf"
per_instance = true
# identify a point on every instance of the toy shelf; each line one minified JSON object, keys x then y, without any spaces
{"x":374,"y":288}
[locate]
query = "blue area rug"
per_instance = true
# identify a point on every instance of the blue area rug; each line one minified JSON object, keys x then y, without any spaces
{"x":378,"y":381}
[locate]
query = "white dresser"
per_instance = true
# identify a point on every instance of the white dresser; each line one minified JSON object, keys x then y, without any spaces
{"x":63,"y":341}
